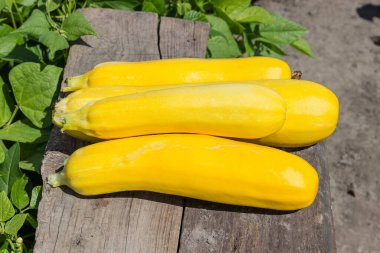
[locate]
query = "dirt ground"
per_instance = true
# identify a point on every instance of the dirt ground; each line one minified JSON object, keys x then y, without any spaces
{"x":345,"y":36}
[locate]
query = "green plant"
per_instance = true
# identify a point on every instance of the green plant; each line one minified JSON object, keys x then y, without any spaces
{"x":34,"y":42}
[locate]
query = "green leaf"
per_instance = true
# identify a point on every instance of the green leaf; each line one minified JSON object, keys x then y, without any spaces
{"x":3,"y":150}
{"x":281,"y":30}
{"x":123,"y":5}
{"x":5,"y":29}
{"x":234,"y":26}
{"x":14,"y":225}
{"x":195,"y":16}
{"x":7,"y":44}
{"x":271,"y":50}
{"x":76,"y":25}
{"x":26,"y":2}
{"x":182,"y":8}
{"x":31,"y":156}
{"x":222,"y":4}
{"x":6,"y":209}
{"x":9,"y":170}
{"x":221,"y":43}
{"x":26,"y":79}
{"x":19,"y":196}
{"x":6,"y":103}
{"x":254,"y":14}
{"x":54,"y":41}
{"x":23,"y":131}
{"x":157,"y":6}
{"x":248,"y":45}
{"x":2,"y":5}
{"x":304,"y":47}
{"x":36,"y":25}
{"x":22,"y":54}
{"x":50,"y":4}
{"x":32,"y":221}
{"x":36,"y":197}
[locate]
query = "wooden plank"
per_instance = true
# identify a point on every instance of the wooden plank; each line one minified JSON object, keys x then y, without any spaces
{"x":211,"y":227}
{"x":123,"y":222}
{"x":181,"y":38}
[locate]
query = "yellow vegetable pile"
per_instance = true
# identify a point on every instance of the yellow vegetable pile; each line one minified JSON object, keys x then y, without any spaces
{"x":165,"y":115}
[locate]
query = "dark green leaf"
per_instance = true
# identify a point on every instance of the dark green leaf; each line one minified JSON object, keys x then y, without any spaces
{"x":124,"y":5}
{"x":221,"y":43}
{"x":76,"y":25}
{"x":157,"y":6}
{"x":281,"y":30}
{"x":9,"y":170}
{"x":19,"y":196}
{"x":36,"y":25}
{"x":54,"y":41}
{"x":304,"y":47}
{"x":14,"y":225}
{"x":235,"y":27}
{"x":36,"y":197}
{"x":271,"y":50}
{"x":252,"y":14}
{"x":32,"y":221}
{"x":31,"y":156}
{"x":23,"y":131}
{"x":22,"y":54}
{"x":6,"y":209}
{"x":6,"y":103}
{"x":248,"y":45}
{"x":27,"y":78}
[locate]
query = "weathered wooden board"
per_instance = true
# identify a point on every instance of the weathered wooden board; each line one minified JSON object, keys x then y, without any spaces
{"x":149,"y":222}
{"x":124,"y":222}
{"x":208,"y":227}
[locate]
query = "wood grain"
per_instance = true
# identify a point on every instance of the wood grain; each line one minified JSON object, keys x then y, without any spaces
{"x":150,"y":222}
{"x":123,"y":222}
{"x":211,"y":227}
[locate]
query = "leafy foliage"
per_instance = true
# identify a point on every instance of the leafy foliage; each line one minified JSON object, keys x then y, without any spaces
{"x":34,"y":41}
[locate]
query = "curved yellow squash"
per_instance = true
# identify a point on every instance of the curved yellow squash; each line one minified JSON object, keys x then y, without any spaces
{"x":312,"y":109}
{"x":196,"y":166}
{"x":175,"y":71}
{"x":233,"y":110}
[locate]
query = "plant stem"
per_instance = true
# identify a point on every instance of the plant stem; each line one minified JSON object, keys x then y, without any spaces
{"x":28,"y":235}
{"x":13,"y":19}
{"x":12,"y":116}
{"x":18,"y":12}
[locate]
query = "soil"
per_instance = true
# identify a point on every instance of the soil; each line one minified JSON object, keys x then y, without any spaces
{"x":345,"y":36}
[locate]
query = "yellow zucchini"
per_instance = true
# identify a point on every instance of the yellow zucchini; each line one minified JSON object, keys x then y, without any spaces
{"x":311,"y":116}
{"x":312,"y":113}
{"x":196,"y":166}
{"x":175,"y":71}
{"x":233,"y":110}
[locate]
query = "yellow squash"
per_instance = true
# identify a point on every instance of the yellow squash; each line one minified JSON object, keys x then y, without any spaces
{"x":312,"y":113}
{"x":175,"y":71}
{"x":234,"y":110}
{"x":196,"y":166}
{"x":312,"y":109}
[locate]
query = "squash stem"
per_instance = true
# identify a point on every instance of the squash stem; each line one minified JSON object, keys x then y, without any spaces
{"x":57,"y":179}
{"x":75,"y":83}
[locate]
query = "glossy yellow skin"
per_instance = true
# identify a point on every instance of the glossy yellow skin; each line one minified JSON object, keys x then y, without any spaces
{"x":196,"y":166}
{"x":312,"y":113}
{"x":176,"y":71}
{"x":312,"y":109}
{"x":233,"y":110}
